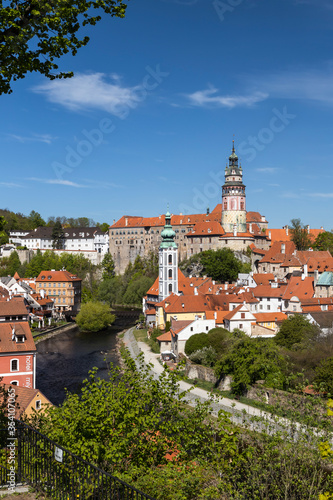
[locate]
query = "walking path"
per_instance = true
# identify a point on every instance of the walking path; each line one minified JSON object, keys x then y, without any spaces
{"x":239,"y":413}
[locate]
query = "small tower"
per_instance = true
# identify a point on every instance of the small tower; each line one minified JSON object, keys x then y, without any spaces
{"x":233,"y":197}
{"x":168,"y":261}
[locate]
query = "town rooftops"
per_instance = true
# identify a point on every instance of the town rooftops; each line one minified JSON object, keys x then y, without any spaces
{"x":46,"y":276}
{"x":13,"y":307}
{"x":325,"y":279}
{"x":8,"y":334}
{"x":69,"y":232}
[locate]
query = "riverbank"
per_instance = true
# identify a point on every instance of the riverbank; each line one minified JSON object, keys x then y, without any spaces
{"x":54,"y":331}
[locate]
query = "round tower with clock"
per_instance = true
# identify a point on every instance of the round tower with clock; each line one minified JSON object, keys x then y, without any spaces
{"x":233,"y":197}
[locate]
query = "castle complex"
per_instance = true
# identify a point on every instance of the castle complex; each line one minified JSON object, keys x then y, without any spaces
{"x":229,"y":225}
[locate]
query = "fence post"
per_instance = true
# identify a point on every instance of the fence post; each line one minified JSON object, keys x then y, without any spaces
{"x":19,"y":452}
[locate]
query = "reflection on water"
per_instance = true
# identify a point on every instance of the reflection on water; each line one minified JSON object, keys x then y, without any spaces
{"x":64,"y":360}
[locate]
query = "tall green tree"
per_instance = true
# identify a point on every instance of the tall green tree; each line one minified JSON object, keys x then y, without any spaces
{"x":3,"y":234}
{"x":35,"y":33}
{"x":58,"y":236}
{"x":299,"y":235}
{"x":296,"y":332}
{"x":107,"y":267}
{"x":94,"y":316}
{"x":35,"y":218}
{"x":324,"y":241}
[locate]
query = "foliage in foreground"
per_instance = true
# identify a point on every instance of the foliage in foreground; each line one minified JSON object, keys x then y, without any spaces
{"x":139,"y":429}
{"x":94,"y":316}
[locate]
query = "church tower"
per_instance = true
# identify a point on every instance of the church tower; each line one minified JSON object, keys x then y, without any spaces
{"x":168,"y":261}
{"x":233,"y":197}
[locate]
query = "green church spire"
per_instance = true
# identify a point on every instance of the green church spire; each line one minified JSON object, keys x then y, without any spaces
{"x":168,"y":234}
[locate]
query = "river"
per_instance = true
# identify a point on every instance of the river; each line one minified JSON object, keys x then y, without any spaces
{"x":63,"y":361}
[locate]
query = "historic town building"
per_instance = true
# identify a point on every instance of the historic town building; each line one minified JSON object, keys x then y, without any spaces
{"x":168,"y":261}
{"x":227,"y":226}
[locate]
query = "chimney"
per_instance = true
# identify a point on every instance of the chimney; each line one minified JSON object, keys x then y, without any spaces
{"x":207,"y":212}
{"x":283,"y":248}
{"x":250,"y":227}
{"x":215,"y":315}
{"x":235,"y":229}
{"x":114,"y":221}
{"x":195,"y":290}
{"x":321,"y":228}
{"x":305,"y":270}
{"x":269,"y":235}
{"x":307,"y":229}
{"x":287,"y":230}
{"x":13,"y":333}
{"x":126,"y":221}
{"x":315,"y":277}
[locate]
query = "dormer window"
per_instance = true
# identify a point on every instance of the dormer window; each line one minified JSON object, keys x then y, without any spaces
{"x":20,"y":339}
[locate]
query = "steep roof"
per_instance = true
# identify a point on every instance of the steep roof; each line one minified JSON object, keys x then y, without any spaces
{"x":45,"y":276}
{"x":7,"y":344}
{"x":69,"y":232}
{"x":296,"y":287}
{"x":270,"y":317}
{"x":263,"y":279}
{"x":24,"y":397}
{"x":279,"y":252}
{"x":13,"y":307}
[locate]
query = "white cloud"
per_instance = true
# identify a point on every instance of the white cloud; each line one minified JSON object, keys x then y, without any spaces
{"x":321,"y":195}
{"x":267,"y":170}
{"x":46,"y":138}
{"x":210,"y":97}
{"x":91,"y":91}
{"x":60,"y":182}
{"x":314,"y":85}
{"x":10,"y":184}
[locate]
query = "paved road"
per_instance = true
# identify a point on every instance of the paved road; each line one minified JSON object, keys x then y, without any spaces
{"x":239,"y":412}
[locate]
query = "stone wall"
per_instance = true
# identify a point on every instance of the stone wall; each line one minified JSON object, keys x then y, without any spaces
{"x":199,"y":372}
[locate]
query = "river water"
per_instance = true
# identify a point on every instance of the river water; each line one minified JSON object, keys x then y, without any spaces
{"x":63,"y":361}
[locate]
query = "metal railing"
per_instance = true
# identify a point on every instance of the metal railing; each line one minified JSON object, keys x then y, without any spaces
{"x":31,"y":457}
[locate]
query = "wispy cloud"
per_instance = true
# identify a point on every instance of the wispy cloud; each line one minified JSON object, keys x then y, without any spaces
{"x":46,"y":138}
{"x":321,"y":195}
{"x":314,"y":85}
{"x":10,"y":185}
{"x":93,"y":91}
{"x":267,"y":170}
{"x":210,"y":97}
{"x":290,"y":194}
{"x":60,"y":182}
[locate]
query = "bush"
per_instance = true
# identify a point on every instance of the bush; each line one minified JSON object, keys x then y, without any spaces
{"x":196,"y":342}
{"x":94,"y":316}
{"x":324,"y":375}
{"x":205,"y":356}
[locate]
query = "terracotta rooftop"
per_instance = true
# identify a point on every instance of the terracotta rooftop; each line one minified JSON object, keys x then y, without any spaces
{"x":21,"y":328}
{"x":14,"y":307}
{"x":57,"y":276}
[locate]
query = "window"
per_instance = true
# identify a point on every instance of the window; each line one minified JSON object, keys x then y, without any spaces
{"x":268,"y":308}
{"x":38,"y":404}
{"x":14,"y":382}
{"x":170,"y":288}
{"x":170,"y":259}
{"x":240,"y":325}
{"x":14,"y":365}
{"x":191,"y":328}
{"x":243,"y":315}
{"x":170,"y":273}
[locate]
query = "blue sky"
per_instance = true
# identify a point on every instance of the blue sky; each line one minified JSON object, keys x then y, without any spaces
{"x":156,"y":100}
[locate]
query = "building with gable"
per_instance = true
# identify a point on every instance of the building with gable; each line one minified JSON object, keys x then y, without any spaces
{"x":227,"y":226}
{"x":63,"y":287}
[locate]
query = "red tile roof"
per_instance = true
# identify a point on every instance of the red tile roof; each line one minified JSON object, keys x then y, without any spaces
{"x":270,"y":317}
{"x":9,"y":345}
{"x":296,"y":287}
{"x":263,"y":279}
{"x":14,"y":307}
{"x":207,"y":228}
{"x":56,"y":276}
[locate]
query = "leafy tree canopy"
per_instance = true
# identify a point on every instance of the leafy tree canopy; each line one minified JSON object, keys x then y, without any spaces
{"x":324,"y":241}
{"x":196,"y":342}
{"x":299,"y":235}
{"x":35,"y":33}
{"x":220,"y":265}
{"x":58,"y":236}
{"x":94,"y":316}
{"x":324,"y":375}
{"x":250,"y":360}
{"x":296,"y":332}
{"x":107,"y":267}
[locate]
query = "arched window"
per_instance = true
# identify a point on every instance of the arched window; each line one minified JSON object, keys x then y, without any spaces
{"x":14,"y":382}
{"x":170,"y":273}
{"x":170,"y":288}
{"x":170,"y":259}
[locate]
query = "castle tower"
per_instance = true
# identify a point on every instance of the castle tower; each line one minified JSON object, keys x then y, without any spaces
{"x":233,"y":197}
{"x":168,"y":261}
